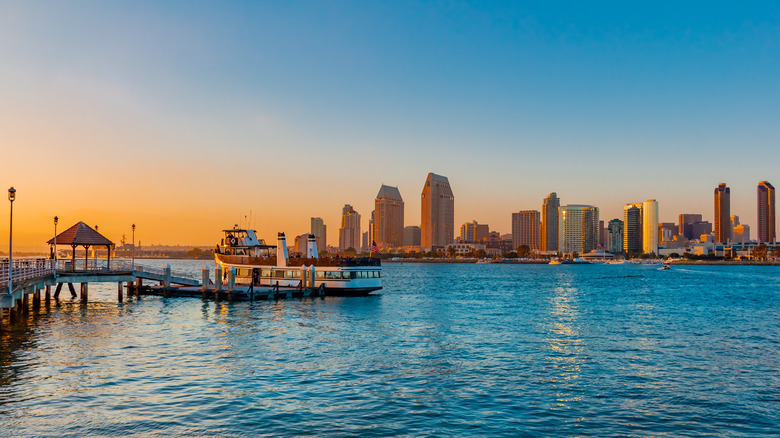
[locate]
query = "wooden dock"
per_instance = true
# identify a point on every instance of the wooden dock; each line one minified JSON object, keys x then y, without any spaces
{"x":39,"y":280}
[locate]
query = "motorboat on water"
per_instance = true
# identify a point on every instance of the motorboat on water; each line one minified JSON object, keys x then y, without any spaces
{"x":566,"y":261}
{"x":250,"y":261}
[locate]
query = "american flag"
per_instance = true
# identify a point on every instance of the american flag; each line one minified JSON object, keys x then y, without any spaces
{"x":374,"y":248}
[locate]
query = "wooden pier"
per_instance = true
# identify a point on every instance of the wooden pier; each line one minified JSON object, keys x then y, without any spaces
{"x":40,"y":280}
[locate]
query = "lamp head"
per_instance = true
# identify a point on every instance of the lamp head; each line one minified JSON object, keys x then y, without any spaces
{"x":56,"y":219}
{"x":12,"y":194}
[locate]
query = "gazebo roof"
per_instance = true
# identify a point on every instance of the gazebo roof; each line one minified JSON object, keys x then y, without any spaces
{"x":81,"y":234}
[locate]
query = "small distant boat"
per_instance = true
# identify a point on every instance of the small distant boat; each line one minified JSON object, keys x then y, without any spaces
{"x":577,"y":261}
{"x":665,"y":265}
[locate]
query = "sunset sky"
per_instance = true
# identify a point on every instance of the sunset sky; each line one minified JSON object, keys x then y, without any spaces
{"x":182,"y":117}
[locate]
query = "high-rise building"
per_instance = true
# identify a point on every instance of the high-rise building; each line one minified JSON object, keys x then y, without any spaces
{"x":578,"y":228}
{"x":548,"y":235}
{"x":349,"y":233}
{"x":666,"y":231}
{"x":722,"y":214}
{"x":525,"y":229}
{"x":766,"y":212}
{"x":632,"y":227}
{"x":615,"y":241}
{"x":650,"y":227}
{"x":320,"y":231}
{"x":685,"y":225}
{"x":473,"y":232}
{"x":438,"y":213}
{"x":741,"y":233}
{"x":412,"y":236}
{"x":701,"y":228}
{"x":389,"y":218}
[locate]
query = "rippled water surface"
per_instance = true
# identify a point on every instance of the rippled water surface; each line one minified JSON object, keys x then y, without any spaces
{"x":444,"y":350}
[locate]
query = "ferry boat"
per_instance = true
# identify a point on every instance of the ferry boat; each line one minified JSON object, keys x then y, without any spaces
{"x":252,"y":262}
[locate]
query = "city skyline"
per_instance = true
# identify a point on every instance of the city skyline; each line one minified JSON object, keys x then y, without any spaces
{"x":176,"y":119}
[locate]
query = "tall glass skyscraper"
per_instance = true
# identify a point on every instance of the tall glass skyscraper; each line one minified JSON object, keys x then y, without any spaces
{"x":388,"y":218}
{"x":722,"y":214}
{"x":549,"y":229}
{"x":766,"y":212}
{"x":438,"y":213}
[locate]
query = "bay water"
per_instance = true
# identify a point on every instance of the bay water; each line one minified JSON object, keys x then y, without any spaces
{"x":442,"y":350}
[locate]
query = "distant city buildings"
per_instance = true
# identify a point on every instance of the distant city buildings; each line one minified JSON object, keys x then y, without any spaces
{"x":685,"y":225}
{"x":320,"y":231}
{"x":438,"y":213}
{"x":412,"y":236}
{"x":667,"y":231}
{"x":766,"y":212}
{"x":615,"y":236}
{"x":526,"y":225}
{"x":549,"y":229}
{"x":632,"y":228}
{"x":473,"y":232}
{"x":650,"y":227}
{"x":389,"y":218}
{"x":349,"y":233}
{"x":722,"y":214}
{"x":640,"y":227}
{"x":578,"y":228}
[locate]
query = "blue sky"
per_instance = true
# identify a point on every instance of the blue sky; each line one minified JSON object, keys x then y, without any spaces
{"x":306,"y":106}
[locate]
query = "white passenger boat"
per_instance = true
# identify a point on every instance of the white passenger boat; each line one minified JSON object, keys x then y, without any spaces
{"x":252,"y":262}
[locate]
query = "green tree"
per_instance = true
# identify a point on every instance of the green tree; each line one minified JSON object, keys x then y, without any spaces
{"x":760,"y":252}
{"x":480,"y":254}
{"x":523,"y":251}
{"x":451,"y":252}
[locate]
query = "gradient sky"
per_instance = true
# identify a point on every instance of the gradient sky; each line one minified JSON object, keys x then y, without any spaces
{"x":182,"y":117}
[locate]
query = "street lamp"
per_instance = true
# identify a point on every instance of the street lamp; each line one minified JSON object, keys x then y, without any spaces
{"x":56,"y":219}
{"x":133,"y":247}
{"x":12,"y":198}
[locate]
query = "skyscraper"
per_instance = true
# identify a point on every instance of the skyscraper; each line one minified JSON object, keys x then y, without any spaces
{"x":615,"y":241}
{"x":650,"y":227}
{"x":389,"y":218}
{"x":412,"y":236}
{"x":438,"y":213}
{"x":722,"y":214}
{"x":632,"y":227}
{"x":525,"y":229}
{"x":578,"y":228}
{"x":349,"y":233}
{"x":766,"y":212}
{"x":474,"y":232}
{"x":685,"y":225}
{"x":320,"y":231}
{"x":549,"y":229}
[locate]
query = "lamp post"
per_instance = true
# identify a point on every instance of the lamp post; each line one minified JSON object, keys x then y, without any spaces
{"x":12,"y":198}
{"x":56,"y":219}
{"x":133,"y":247}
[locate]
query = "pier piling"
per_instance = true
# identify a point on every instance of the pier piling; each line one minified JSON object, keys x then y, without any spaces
{"x":119,"y":292}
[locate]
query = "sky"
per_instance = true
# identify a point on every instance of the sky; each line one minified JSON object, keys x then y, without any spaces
{"x":188,"y":117}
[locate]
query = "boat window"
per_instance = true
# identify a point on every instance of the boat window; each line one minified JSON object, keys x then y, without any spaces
{"x":265,"y":272}
{"x":319,"y":274}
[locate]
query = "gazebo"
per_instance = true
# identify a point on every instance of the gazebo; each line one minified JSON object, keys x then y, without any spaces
{"x":82,"y":234}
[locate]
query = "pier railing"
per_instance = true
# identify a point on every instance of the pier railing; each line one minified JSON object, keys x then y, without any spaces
{"x":25,"y":269}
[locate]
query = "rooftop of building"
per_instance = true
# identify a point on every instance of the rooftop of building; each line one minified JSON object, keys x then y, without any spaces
{"x":388,"y":192}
